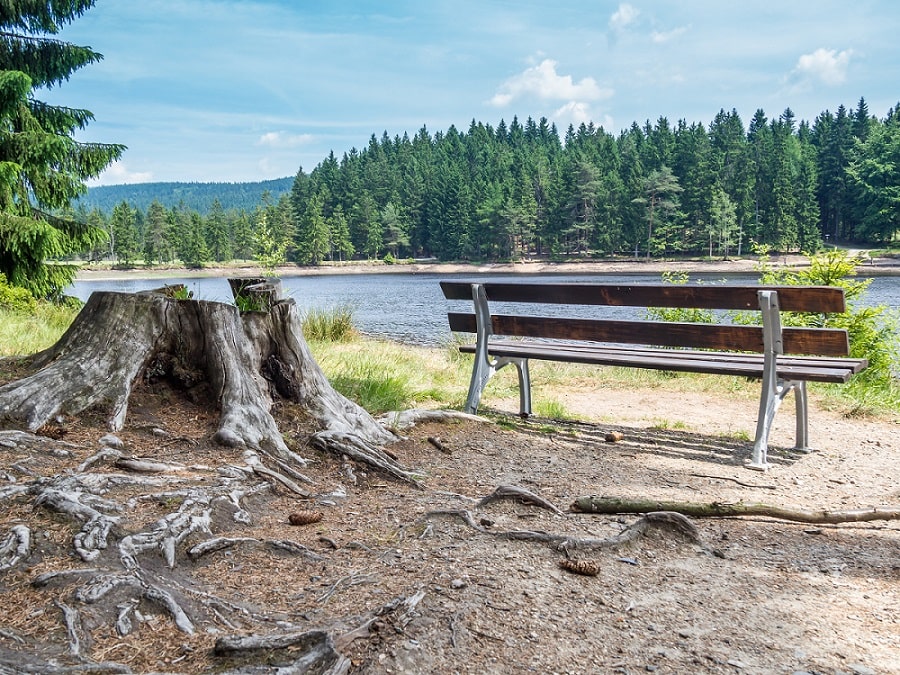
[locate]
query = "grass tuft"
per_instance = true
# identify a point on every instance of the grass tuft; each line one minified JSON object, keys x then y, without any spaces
{"x":552,"y":409}
{"x":329,"y":325}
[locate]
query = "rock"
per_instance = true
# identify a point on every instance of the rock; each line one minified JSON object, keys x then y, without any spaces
{"x":112,"y":441}
{"x":859,"y":669}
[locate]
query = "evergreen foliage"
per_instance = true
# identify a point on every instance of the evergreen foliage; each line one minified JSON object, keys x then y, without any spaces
{"x":517,"y":191}
{"x":200,"y":197}
{"x":42,"y":166}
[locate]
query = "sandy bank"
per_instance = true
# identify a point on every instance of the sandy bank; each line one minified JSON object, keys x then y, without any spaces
{"x":876,"y":267}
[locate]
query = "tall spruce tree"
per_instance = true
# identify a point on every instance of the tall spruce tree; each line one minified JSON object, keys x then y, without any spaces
{"x":42,"y":166}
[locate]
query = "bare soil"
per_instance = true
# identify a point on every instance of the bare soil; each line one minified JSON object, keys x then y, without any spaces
{"x":756,"y":595}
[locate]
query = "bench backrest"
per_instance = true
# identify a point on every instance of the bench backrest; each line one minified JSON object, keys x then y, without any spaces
{"x":720,"y":336}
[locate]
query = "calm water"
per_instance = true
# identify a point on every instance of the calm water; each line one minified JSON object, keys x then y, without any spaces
{"x":410,"y":308}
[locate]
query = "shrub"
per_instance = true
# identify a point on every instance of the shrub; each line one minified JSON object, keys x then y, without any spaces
{"x":16,"y":299}
{"x":679,"y":314}
{"x":872,"y":330}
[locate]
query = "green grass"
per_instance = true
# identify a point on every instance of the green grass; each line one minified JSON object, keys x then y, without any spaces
{"x":23,"y":334}
{"x":384,"y":376}
{"x":552,"y":409}
{"x":665,"y":425}
{"x":329,"y":325}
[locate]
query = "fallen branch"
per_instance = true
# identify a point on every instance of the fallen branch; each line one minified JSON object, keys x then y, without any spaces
{"x":354,"y":579}
{"x":610,"y":505}
{"x":407,"y":604}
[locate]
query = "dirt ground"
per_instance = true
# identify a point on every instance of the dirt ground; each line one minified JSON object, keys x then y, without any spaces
{"x":755,"y":595}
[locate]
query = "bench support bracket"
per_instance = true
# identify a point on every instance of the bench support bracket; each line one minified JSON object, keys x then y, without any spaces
{"x":775,"y":389}
{"x":486,"y":366}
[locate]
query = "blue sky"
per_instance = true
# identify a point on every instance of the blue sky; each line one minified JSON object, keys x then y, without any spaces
{"x":246,"y":90}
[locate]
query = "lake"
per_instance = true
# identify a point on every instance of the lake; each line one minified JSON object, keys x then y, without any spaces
{"x":410,"y":308}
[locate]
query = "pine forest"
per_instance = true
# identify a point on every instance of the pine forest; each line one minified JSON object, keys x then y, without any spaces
{"x":518,"y":191}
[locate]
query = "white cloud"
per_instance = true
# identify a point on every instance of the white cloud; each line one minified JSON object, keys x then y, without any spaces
{"x":118,"y":174}
{"x":573,"y":113}
{"x":659,"y":37}
{"x":577,"y":113}
{"x":623,"y":17}
{"x":827,"y":65}
{"x":280,"y":139}
{"x":543,"y":82}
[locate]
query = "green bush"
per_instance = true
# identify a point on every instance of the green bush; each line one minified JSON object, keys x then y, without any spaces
{"x":872,"y":330}
{"x":16,"y":299}
{"x":679,"y":314}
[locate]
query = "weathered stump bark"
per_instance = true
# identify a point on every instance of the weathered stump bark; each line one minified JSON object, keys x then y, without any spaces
{"x":244,"y":358}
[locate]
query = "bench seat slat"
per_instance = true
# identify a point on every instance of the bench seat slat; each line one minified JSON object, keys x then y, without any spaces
{"x":747,"y":365}
{"x":855,"y":365}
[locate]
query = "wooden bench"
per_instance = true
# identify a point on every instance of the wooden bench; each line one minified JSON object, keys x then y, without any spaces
{"x":784,"y":358}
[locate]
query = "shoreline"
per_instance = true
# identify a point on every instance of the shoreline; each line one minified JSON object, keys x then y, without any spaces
{"x":874,"y":267}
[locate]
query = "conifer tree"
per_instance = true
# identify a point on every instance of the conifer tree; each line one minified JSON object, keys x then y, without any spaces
{"x":339,"y":233}
{"x":313,"y":237}
{"x":42,"y":166}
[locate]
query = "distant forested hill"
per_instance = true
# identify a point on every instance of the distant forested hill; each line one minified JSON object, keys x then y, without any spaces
{"x":195,"y":196}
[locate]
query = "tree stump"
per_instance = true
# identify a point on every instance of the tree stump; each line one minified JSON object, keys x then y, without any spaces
{"x":246,"y":359}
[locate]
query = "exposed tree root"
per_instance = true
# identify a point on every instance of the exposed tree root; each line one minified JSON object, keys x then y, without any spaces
{"x":16,"y":546}
{"x":217,"y":544}
{"x":612,"y":505}
{"x":520,"y":494}
{"x":356,"y":448}
{"x":404,"y":419}
{"x":311,"y":652}
{"x":666,"y":521}
{"x":243,"y":359}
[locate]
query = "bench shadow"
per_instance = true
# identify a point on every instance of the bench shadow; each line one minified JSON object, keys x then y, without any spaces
{"x":666,"y":442}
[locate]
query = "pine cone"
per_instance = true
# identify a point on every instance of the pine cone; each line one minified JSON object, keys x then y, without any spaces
{"x":305,"y":517}
{"x":588,"y":568}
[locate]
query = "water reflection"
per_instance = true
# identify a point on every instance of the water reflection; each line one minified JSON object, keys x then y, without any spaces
{"x":410,"y":308}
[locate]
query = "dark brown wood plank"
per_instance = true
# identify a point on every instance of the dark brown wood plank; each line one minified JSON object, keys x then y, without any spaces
{"x":818,"y":299}
{"x":819,"y":341}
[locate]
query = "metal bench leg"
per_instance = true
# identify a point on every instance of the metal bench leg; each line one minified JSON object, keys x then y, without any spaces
{"x":484,"y":367}
{"x":482,"y":371}
{"x":768,"y":406}
{"x":524,"y":386}
{"x":802,"y":444}
{"x":770,"y":401}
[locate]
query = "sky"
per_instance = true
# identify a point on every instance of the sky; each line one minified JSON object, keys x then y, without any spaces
{"x":250,"y":90}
